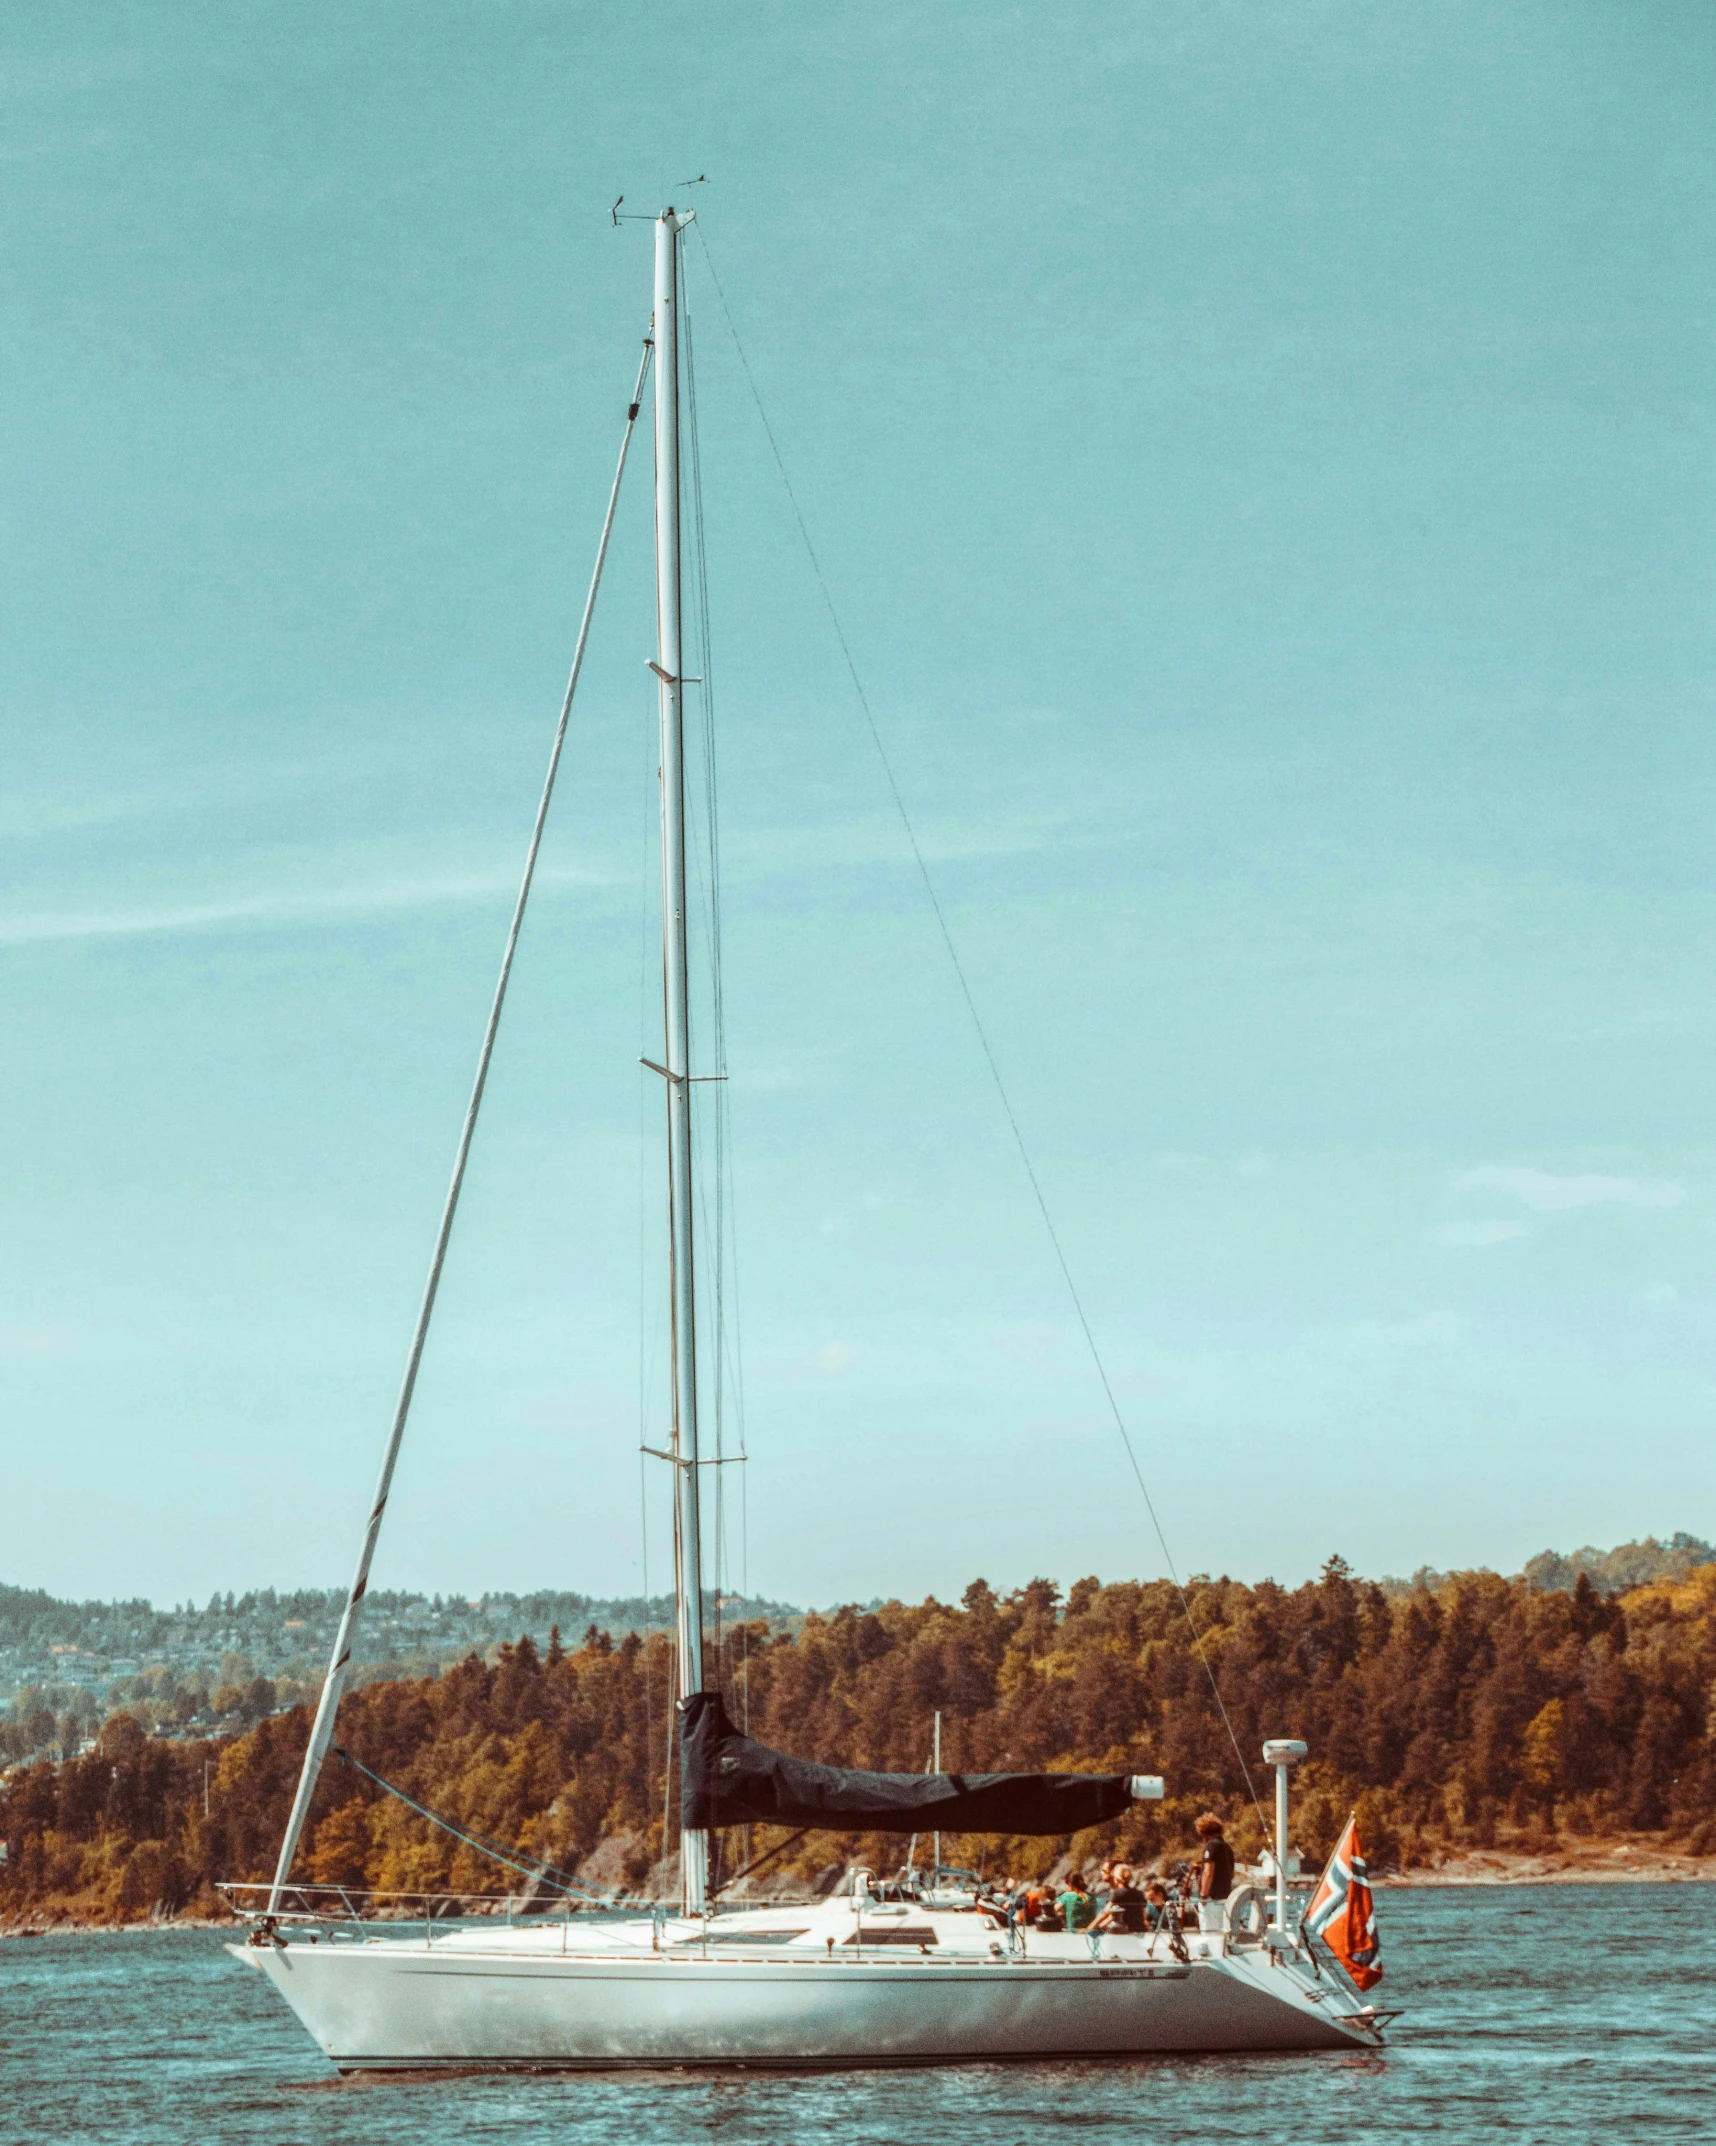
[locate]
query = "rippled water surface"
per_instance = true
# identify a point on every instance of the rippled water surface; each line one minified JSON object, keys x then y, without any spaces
{"x":1573,"y":2013}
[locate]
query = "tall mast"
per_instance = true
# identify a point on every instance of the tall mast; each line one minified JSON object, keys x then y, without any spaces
{"x":687,"y":1534}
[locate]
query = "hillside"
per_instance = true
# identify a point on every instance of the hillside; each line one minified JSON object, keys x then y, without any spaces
{"x":1483,"y":1711}
{"x":77,"y":1660}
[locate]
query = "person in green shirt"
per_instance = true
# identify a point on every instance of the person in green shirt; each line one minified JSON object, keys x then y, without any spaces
{"x":1078,"y":1909}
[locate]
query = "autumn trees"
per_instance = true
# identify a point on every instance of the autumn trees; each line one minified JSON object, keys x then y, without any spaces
{"x":1484,"y":1709}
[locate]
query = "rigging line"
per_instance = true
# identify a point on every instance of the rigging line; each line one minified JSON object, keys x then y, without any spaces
{"x":649,"y":946}
{"x":701,"y":582}
{"x":645,"y":1324}
{"x":745,"y":1590}
{"x":515,"y":1859}
{"x":339,"y":1661}
{"x":736,"y":1360}
{"x":976,"y":1022}
{"x":706,"y":1235}
{"x":792,"y":1840}
{"x":723,"y":1248}
{"x":643,"y":1534}
{"x":712,"y":918}
{"x":667,"y":1769}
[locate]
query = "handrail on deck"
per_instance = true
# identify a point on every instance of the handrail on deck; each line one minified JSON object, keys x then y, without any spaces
{"x":344,"y":1905}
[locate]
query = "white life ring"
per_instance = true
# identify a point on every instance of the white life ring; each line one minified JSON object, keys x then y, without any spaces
{"x":1247,"y":1912}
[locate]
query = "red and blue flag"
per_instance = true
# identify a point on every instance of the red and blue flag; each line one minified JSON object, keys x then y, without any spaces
{"x":1343,"y":1914}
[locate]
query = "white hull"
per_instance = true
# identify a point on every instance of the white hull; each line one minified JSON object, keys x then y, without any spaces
{"x":484,"y":2002}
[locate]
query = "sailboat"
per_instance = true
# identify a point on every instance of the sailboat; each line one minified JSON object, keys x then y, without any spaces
{"x":874,"y":1974}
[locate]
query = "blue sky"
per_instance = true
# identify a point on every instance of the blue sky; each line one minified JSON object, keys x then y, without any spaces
{"x":1261,"y":455}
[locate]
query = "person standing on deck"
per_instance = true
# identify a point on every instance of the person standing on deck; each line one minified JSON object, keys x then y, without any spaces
{"x":1215,"y":1874}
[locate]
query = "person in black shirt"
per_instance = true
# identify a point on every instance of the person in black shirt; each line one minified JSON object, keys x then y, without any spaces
{"x":1125,"y":1908}
{"x":1215,"y":1873}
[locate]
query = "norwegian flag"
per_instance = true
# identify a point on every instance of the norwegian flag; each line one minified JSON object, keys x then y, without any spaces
{"x":1342,"y":1912}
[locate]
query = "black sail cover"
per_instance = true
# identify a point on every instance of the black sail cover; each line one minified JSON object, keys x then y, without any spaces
{"x":726,"y":1779}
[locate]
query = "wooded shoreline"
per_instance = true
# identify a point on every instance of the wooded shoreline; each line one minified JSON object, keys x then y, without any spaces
{"x":1580,"y":1867}
{"x":1485,"y":1731}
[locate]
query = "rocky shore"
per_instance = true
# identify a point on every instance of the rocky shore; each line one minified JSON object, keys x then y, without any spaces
{"x":1573,"y":1862}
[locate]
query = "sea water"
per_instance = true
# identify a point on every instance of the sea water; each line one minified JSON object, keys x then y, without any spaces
{"x":1572,"y":2013}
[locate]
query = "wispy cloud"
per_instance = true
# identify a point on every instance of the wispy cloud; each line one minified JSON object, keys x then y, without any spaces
{"x":305,"y":888}
{"x":1474,"y":1236}
{"x":592,"y":1411}
{"x":24,"y":818}
{"x":1549,"y":1194}
{"x":765,"y":1079}
{"x":1085,"y":1426}
{"x":833,"y":1360}
{"x":878,"y":839}
{"x":275,"y":909}
{"x":1031,"y":1341}
{"x":1428,"y":1329}
{"x":23,"y":1342}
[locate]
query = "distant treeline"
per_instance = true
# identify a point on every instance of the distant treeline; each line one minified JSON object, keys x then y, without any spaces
{"x":271,"y":1625}
{"x":1479,"y":1711}
{"x":1610,"y":1572}
{"x":210,"y":1668}
{"x":280,"y":1630}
